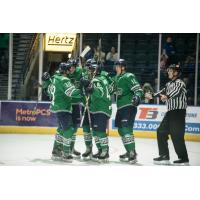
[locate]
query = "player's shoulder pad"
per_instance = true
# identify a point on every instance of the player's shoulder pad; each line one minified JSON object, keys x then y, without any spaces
{"x":95,"y":80}
{"x":104,"y":73}
{"x":65,"y":79}
{"x":128,"y":74}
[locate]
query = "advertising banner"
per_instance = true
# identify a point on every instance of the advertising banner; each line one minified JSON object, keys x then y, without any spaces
{"x":148,"y":118}
{"x":15,"y":113}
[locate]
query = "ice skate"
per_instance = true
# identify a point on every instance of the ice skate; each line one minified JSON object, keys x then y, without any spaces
{"x":56,"y":155}
{"x":67,"y":158}
{"x":132,"y":157}
{"x":96,"y":156}
{"x":161,"y":160}
{"x":103,"y":157}
{"x":124,"y":157}
{"x":88,"y":154}
{"x":76,"y":154}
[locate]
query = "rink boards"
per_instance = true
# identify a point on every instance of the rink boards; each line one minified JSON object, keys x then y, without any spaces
{"x":24,"y":117}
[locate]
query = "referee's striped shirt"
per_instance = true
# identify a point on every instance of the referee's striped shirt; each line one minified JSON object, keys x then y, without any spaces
{"x":176,"y":93}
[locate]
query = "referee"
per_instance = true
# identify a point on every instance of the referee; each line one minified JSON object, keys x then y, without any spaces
{"x":173,"y":123}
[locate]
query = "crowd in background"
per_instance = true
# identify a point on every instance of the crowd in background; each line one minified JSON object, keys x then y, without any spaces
{"x":149,"y":83}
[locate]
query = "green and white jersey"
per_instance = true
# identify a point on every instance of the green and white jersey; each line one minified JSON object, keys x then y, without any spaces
{"x":76,"y":76}
{"x":126,"y":86}
{"x":100,"y":99}
{"x":110,"y":81}
{"x":75,"y":80}
{"x":61,"y":91}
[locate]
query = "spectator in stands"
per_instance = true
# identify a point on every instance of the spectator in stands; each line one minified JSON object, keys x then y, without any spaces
{"x":189,"y":63}
{"x":112,"y":56}
{"x":169,"y":51}
{"x":99,"y":54}
{"x":147,"y":88}
{"x":163,"y":62}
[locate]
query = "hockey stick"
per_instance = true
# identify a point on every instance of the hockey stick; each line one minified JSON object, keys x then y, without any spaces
{"x":83,"y":53}
{"x":87,"y":102}
{"x":157,"y":94}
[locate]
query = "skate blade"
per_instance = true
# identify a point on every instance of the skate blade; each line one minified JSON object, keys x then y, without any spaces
{"x":164,"y":162}
{"x":181,"y":164}
{"x":76,"y":157}
{"x":88,"y":158}
{"x":132,"y":162}
{"x":54,"y":158}
{"x":123,"y":160}
{"x":67,"y":160}
{"x":103,"y":161}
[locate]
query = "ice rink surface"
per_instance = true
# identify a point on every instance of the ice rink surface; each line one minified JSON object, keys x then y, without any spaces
{"x":34,"y":149}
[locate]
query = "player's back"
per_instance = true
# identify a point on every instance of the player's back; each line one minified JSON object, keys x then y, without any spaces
{"x":60,"y":101}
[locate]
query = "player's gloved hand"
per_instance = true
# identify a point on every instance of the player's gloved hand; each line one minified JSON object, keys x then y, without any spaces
{"x":136,"y":100}
{"x":89,"y":90}
{"x":46,"y":76}
{"x":84,"y":82}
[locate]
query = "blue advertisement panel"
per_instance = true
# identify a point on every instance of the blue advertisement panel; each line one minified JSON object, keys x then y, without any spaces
{"x":26,"y":114}
{"x":148,"y":118}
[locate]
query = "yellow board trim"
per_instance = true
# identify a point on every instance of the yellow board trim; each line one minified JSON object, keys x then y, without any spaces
{"x":52,"y":130}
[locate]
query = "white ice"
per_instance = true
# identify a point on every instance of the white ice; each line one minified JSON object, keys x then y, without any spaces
{"x":34,"y":149}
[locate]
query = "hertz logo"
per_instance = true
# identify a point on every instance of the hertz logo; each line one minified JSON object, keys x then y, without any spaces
{"x":60,"y":42}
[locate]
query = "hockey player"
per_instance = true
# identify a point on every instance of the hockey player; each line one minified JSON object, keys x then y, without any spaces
{"x":75,"y":74}
{"x":61,"y":91}
{"x":128,"y":97}
{"x":100,"y":110}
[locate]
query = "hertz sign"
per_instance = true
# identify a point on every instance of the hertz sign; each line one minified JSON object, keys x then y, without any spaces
{"x":59,"y":42}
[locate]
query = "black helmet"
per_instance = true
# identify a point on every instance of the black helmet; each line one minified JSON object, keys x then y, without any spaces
{"x":46,"y":76}
{"x":121,"y":62}
{"x":90,"y":62}
{"x":95,"y":67}
{"x":72,"y":62}
{"x":63,"y":67}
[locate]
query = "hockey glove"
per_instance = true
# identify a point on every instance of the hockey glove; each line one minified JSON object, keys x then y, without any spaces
{"x":89,"y":90}
{"x":84,"y":82}
{"x":136,"y":100}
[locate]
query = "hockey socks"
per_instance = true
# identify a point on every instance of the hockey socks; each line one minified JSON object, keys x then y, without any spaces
{"x":58,"y":142}
{"x":127,"y":138}
{"x":67,"y":139}
{"x":101,"y":140}
{"x":87,"y":136}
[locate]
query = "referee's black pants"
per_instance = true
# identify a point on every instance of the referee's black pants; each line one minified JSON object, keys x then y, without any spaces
{"x":173,"y":124}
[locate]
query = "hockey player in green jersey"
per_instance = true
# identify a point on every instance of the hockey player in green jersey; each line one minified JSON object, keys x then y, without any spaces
{"x":100,"y":110}
{"x":128,"y":96}
{"x":61,"y":91}
{"x":75,"y":74}
{"x":58,"y":142}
